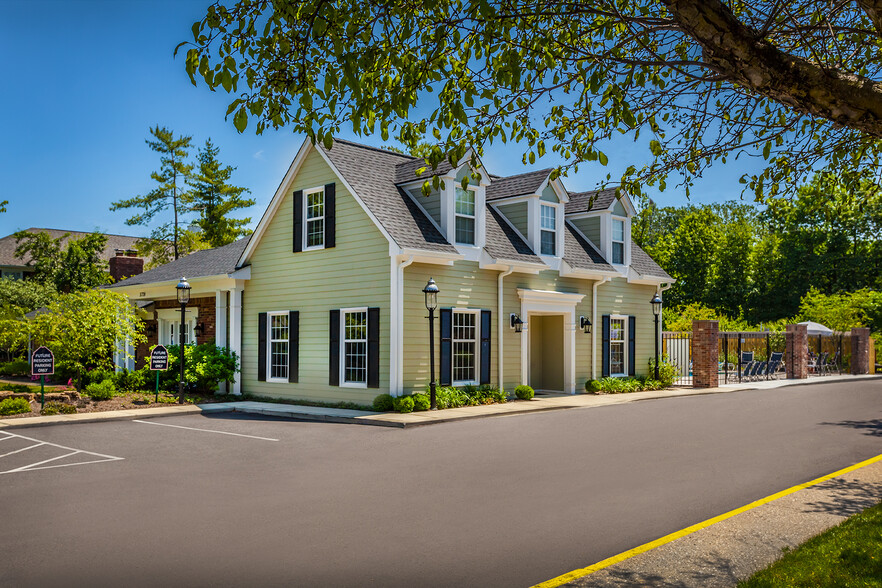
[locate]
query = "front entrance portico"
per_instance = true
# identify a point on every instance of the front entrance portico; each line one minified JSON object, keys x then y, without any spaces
{"x":549,"y":334}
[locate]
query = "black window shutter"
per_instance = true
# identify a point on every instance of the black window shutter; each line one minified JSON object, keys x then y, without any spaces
{"x":261,"y":347}
{"x":373,"y":348}
{"x":605,"y":347}
{"x":293,"y":346}
{"x":330,"y":215}
{"x":632,"y":345}
{"x":446,"y":346}
{"x":485,"y":347}
{"x":298,"y":221}
{"x":334,"y":350}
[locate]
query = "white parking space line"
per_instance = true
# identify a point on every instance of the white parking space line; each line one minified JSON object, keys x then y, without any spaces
{"x":39,"y":465}
{"x":204,"y":430}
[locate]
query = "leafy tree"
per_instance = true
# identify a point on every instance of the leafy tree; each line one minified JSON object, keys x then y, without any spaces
{"x":840,"y":312}
{"x":214,"y":199}
{"x":170,"y":191}
{"x":82,"y":329}
{"x":696,"y":81}
{"x":69,"y":267}
{"x":22,"y":296}
{"x":158,"y":252}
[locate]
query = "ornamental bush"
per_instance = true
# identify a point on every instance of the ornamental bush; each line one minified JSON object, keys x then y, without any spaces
{"x":16,"y":367}
{"x":403,"y":403}
{"x":101,"y":391}
{"x":58,"y":408}
{"x":14,"y":406}
{"x":524,"y":392}
{"x":421,"y":402}
{"x":668,"y":371}
{"x":592,"y":386}
{"x":383,"y":403}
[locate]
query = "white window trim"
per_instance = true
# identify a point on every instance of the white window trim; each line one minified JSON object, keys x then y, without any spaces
{"x":448,"y":206}
{"x":474,"y":216}
{"x":627,"y":235}
{"x":306,"y":220}
{"x":343,"y":312}
{"x":534,"y":226}
{"x":624,"y":318}
{"x":477,"y":341}
{"x":269,"y":345}
{"x":166,"y":317}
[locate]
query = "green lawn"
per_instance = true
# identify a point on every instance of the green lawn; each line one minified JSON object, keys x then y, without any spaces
{"x":849,"y":554}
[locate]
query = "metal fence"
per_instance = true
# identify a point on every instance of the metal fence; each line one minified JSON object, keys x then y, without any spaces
{"x":751,"y":355}
{"x":829,"y":354}
{"x":677,"y":349}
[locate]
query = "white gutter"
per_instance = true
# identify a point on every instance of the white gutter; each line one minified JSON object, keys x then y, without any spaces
{"x":396,"y":383}
{"x":500,"y":320}
{"x":595,"y":325}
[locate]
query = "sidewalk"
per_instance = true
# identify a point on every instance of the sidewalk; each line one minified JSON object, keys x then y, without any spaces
{"x":387,"y":419}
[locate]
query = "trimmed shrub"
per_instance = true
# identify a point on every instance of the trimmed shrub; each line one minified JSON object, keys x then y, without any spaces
{"x":421,"y":402}
{"x":58,"y":408}
{"x":129,"y":380}
{"x":14,"y":406}
{"x":97,"y":376}
{"x":16,"y":367}
{"x":524,"y":392}
{"x":592,"y":386}
{"x":101,"y":391}
{"x":668,"y":372}
{"x":383,"y":403}
{"x":403,"y":403}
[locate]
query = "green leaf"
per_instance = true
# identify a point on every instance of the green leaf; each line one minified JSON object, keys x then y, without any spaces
{"x":240,"y":121}
{"x":602,"y":157}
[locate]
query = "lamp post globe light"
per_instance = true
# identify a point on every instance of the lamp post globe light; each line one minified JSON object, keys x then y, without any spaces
{"x":431,"y":293}
{"x":656,"y":303}
{"x":183,"y":290}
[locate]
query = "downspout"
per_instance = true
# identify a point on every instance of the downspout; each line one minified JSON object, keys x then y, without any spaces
{"x":594,"y":324}
{"x":500,"y":320}
{"x":398,"y":325}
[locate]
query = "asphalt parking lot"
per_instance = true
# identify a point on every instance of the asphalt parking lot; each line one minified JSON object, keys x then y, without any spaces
{"x":230,"y":500}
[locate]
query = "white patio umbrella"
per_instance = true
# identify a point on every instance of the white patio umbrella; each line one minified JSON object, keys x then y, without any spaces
{"x":814,"y":328}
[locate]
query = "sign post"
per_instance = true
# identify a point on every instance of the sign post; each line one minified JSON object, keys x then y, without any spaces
{"x":158,"y":363}
{"x":42,"y":364}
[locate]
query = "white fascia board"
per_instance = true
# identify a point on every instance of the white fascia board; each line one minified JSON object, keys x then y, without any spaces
{"x":626,"y":202}
{"x":568,"y":271}
{"x":166,"y":290}
{"x":649,"y":280}
{"x":591,"y":214}
{"x":511,"y":199}
{"x":276,"y":201}
{"x":489,"y":262}
{"x":243,"y":273}
{"x":530,"y":295}
{"x":433,"y":257}
{"x":560,"y":190}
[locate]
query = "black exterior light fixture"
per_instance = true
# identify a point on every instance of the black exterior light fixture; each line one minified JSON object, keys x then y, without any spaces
{"x":516,"y":323}
{"x":183,"y":289}
{"x":431,"y":293}
{"x":585,"y":324}
{"x":656,"y":303}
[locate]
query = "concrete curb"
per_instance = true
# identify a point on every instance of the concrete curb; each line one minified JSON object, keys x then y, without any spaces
{"x":96,"y":417}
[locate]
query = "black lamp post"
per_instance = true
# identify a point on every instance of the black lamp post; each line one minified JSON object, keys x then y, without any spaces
{"x":183,"y":289}
{"x":431,"y":292}
{"x":656,"y":303}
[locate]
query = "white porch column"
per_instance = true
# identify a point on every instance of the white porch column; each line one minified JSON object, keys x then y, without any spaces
{"x":220,"y":325}
{"x":236,"y":332}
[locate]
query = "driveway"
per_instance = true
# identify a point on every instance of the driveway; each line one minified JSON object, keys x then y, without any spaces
{"x":230,"y":500}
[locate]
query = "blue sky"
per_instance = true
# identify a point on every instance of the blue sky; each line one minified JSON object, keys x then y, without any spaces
{"x":84,"y":80}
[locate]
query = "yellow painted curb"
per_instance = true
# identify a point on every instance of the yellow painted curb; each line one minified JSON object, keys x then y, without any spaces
{"x":582,"y":572}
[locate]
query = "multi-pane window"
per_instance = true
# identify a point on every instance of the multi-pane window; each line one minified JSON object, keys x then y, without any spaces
{"x":618,"y":241}
{"x":12,"y":274}
{"x":465,"y":216}
{"x":548,"y":230}
{"x":173,"y":328}
{"x":465,"y":346}
{"x":315,"y":219}
{"x":617,"y":346}
{"x":278,"y":346}
{"x":355,"y":346}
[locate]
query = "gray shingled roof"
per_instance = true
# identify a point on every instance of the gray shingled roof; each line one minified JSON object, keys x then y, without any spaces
{"x":645,"y":265}
{"x":503,"y":242}
{"x":580,"y":254}
{"x":114,"y":242}
{"x":405,"y":171}
{"x":518,"y":185}
{"x":593,"y":200}
{"x":208,"y":262}
{"x":370,"y":172}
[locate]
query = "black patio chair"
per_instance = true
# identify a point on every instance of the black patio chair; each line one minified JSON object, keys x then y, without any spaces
{"x":747,"y":364}
{"x":774,"y":364}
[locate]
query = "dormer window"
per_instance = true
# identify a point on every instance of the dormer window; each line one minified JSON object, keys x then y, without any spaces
{"x":314,"y":202}
{"x":618,"y":241}
{"x":548,"y":230}
{"x":464,"y":217}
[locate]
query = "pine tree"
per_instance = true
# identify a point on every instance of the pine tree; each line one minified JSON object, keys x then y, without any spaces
{"x":214,"y":199}
{"x":170,"y":192}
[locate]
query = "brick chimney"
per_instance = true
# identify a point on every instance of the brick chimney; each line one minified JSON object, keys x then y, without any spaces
{"x":123,"y":265}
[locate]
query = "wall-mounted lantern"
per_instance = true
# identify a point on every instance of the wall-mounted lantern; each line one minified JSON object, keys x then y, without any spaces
{"x":585,"y":324}
{"x":516,"y":323}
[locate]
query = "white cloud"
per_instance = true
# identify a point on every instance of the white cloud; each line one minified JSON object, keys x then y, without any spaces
{"x":258,"y":155}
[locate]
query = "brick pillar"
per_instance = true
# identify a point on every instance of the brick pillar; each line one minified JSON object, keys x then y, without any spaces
{"x":860,"y":351}
{"x":705,"y":354}
{"x":796,"y":355}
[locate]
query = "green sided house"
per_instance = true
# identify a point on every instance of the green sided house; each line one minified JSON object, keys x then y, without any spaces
{"x":325,"y":302}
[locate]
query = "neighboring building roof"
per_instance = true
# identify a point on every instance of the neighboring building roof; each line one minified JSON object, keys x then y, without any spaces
{"x":518,"y":185}
{"x":581,"y":254}
{"x":369,"y":171}
{"x":207,"y":262}
{"x":405,"y":171}
{"x":503,"y":242}
{"x":645,"y":265}
{"x":587,"y":201}
{"x":114,"y":242}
